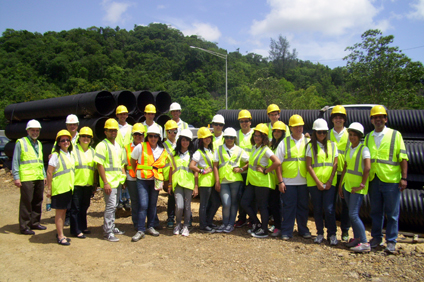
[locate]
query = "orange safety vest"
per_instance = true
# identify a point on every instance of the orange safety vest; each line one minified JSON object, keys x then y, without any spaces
{"x":149,"y":167}
{"x":129,"y":150}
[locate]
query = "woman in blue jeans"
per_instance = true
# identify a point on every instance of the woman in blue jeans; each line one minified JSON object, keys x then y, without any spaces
{"x":321,"y":163}
{"x":354,"y":185}
{"x":227,"y":171}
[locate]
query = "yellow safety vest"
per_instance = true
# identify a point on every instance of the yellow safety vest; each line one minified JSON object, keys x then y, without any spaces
{"x":84,"y":166}
{"x":342,"y":147}
{"x":31,"y":166}
{"x":128,"y":138}
{"x":322,"y":165}
{"x":217,"y":143}
{"x":181,"y":173}
{"x":169,"y":149}
{"x":269,"y":131}
{"x":206,"y":180}
{"x":112,"y":164}
{"x":385,"y":159}
{"x":227,"y":163}
{"x":294,"y":159}
{"x":64,"y":177}
{"x":354,"y":171}
{"x":255,"y":177}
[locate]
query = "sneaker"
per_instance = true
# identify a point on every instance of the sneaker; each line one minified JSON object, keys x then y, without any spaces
{"x":117,"y":231}
{"x":361,"y":248}
{"x":391,"y":247}
{"x":213,"y":226}
{"x":170,"y":224}
{"x":285,"y":237}
{"x":229,"y":228}
{"x":345,"y":236}
{"x":185,"y":231}
{"x":333,"y":240}
{"x":271,"y":229}
{"x":319,"y":239}
{"x":375,"y":242}
{"x":111,"y":237}
{"x":353,"y":242}
{"x":260,"y":233}
{"x":220,"y":229}
{"x":177,"y":229}
{"x":254,"y":228}
{"x":306,"y":236}
{"x":276,"y":233}
{"x":127,"y":206}
{"x":240,"y":223}
{"x":207,"y":229}
{"x":139,"y":235}
{"x":152,"y":231}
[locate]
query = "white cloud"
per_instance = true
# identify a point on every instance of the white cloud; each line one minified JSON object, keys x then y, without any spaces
{"x":329,"y":17}
{"x":419,"y":10}
{"x":205,"y":30}
{"x":115,"y":11}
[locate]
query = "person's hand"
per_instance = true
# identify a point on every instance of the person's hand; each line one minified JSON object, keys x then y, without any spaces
{"x":218,"y":187}
{"x":328,"y":184}
{"x":260,"y":169}
{"x":282,"y":187}
{"x":237,"y":170}
{"x":320,"y":186}
{"x":208,"y":170}
{"x":195,"y":191}
{"x":170,"y":188}
{"x":341,"y":192}
{"x":45,"y":181}
{"x":107,"y":189}
{"x":18,"y":183}
{"x":49,"y":193}
{"x":402,"y":185}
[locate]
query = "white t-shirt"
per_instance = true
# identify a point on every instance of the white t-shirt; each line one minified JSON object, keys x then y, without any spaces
{"x":54,"y":160}
{"x":309,"y":149}
{"x":197,"y":157}
{"x":244,"y":157}
{"x":124,"y":128}
{"x":264,"y":160}
{"x":281,"y":152}
{"x":365,"y":152}
{"x":378,"y":136}
{"x":184,"y":156}
{"x":138,"y":152}
{"x":338,"y":136}
{"x":160,"y":128}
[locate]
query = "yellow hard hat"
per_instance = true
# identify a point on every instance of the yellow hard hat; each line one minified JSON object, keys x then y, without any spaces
{"x":244,"y":114}
{"x":262,"y":127}
{"x":138,"y":128}
{"x":296,"y":120}
{"x":111,"y":124}
{"x":86,"y":131}
{"x":272,"y":108}
{"x":279,"y":125}
{"x":338,"y":110}
{"x":121,"y":110}
{"x":64,"y":132}
{"x":203,"y":132}
{"x":378,"y":110}
{"x":150,"y":109}
{"x":170,"y":124}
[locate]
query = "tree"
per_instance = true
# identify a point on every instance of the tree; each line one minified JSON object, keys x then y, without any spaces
{"x":381,"y":74}
{"x":281,"y":56}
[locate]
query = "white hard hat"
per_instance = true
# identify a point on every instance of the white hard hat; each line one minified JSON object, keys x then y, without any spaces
{"x":187,"y":133}
{"x":357,"y":127}
{"x":72,"y":119}
{"x":153,"y":129}
{"x":33,"y":124}
{"x":175,"y":107}
{"x":320,"y":124}
{"x":218,"y":119}
{"x":230,"y":132}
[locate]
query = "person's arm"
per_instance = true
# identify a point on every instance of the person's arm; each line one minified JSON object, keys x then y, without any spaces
{"x":196,"y":171}
{"x":333,"y":173}
{"x":275,"y":164}
{"x":170,"y":181}
{"x":404,"y":169}
{"x":341,"y":181}
{"x":102,"y":174}
{"x":216,"y":174}
{"x":50,"y":170}
{"x":365,"y":174}
{"x":16,"y":161}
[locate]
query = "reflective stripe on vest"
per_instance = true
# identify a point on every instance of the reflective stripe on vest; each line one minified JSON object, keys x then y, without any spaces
{"x":356,"y":171}
{"x":223,"y":162}
{"x":258,"y":154}
{"x":244,"y":143}
{"x":149,"y":167}
{"x":129,"y":149}
{"x":84,"y":172}
{"x":63,"y":178}
{"x":206,"y":180}
{"x":182,"y":175}
{"x":342,"y":146}
{"x":255,"y":177}
{"x":227,"y":163}
{"x":315,"y":157}
{"x":111,"y":168}
{"x":353,"y":177}
{"x":391,"y":150}
{"x":31,"y":166}
{"x":292,"y":164}
{"x":322,"y":164}
{"x":80,"y":164}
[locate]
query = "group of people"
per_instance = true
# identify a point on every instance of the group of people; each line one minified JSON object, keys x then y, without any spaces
{"x":271,"y":168}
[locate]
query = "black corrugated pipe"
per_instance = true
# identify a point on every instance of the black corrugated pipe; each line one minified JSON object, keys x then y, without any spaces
{"x":143,"y":98}
{"x":415,"y":151}
{"x":49,"y":128}
{"x":94,"y":103}
{"x":162,"y":101}
{"x":130,"y":120}
{"x":47,"y":150}
{"x":126,"y":98}
{"x":162,"y":119}
{"x":141,"y":119}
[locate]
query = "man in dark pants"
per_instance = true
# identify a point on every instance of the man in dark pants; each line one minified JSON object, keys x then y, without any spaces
{"x":30,"y":176}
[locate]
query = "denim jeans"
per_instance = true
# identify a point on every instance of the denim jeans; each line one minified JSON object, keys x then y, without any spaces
{"x":295,"y":206}
{"x":229,"y":193}
{"x":124,"y":195}
{"x":170,"y":210}
{"x":354,"y":202}
{"x":260,"y":194}
{"x":242,"y":213}
{"x":133,"y":191}
{"x":79,"y":206}
{"x":147,"y":199}
{"x":209,"y":204}
{"x":324,"y":200}
{"x":344,"y":216}
{"x":384,"y":199}
{"x":274,"y":204}
{"x":111,"y":202}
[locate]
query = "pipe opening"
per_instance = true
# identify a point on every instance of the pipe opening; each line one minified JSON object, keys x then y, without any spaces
{"x":105,"y":103}
{"x":162,"y":100}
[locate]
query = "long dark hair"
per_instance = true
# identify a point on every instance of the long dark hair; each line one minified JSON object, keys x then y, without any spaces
{"x":160,"y":143}
{"x":314,"y":144}
{"x":57,"y":147}
{"x":265,"y":140}
{"x":177,"y":150}
{"x":275,"y":142}
{"x":201,"y":146}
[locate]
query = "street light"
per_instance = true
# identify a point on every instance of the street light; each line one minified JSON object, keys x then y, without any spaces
{"x":222,"y":56}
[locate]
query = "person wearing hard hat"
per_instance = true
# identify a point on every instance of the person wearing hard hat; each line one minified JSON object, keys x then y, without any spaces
{"x":278,"y":134}
{"x":339,"y":135}
{"x":85,"y":182}
{"x":227,"y":167}
{"x":72,"y":124}
{"x":60,"y":181}
{"x":110,"y":164}
{"x":273,"y":112}
{"x":260,"y":180}
{"x":354,"y":185}
{"x":149,"y":114}
{"x":292,"y":182}
{"x":243,"y":141}
{"x":175,"y":110}
{"x":388,"y":178}
{"x":181,"y":179}
{"x":321,"y":179}
{"x":202,"y":166}
{"x":137,"y":133}
{"x":29,"y":175}
{"x":217,"y":123}
{"x":171,"y":130}
{"x":149,"y":159}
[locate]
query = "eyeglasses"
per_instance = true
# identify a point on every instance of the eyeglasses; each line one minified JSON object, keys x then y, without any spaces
{"x":173,"y":131}
{"x":244,"y":121}
{"x":229,"y":137}
{"x":322,"y":132}
{"x":217,"y":124}
{"x":85,"y":136}
{"x":154,"y":136}
{"x":64,"y":140}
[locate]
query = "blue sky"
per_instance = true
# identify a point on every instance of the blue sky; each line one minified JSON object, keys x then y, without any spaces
{"x":320,"y":30}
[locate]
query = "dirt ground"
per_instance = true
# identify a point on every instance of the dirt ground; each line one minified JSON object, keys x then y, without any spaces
{"x":200,"y":257}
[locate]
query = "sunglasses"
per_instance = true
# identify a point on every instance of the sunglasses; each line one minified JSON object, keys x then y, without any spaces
{"x":154,"y":136}
{"x":138,"y":134}
{"x":244,"y":121}
{"x":217,"y":124}
{"x":322,"y":132}
{"x":65,"y":140}
{"x":229,"y":137}
{"x":173,"y":131}
{"x":85,"y":136}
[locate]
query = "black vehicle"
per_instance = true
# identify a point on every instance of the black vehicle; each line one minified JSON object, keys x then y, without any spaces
{"x":3,"y":141}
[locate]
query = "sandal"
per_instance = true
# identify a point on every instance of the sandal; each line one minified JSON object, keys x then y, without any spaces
{"x":82,"y":236}
{"x":63,"y":242}
{"x":67,"y":239}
